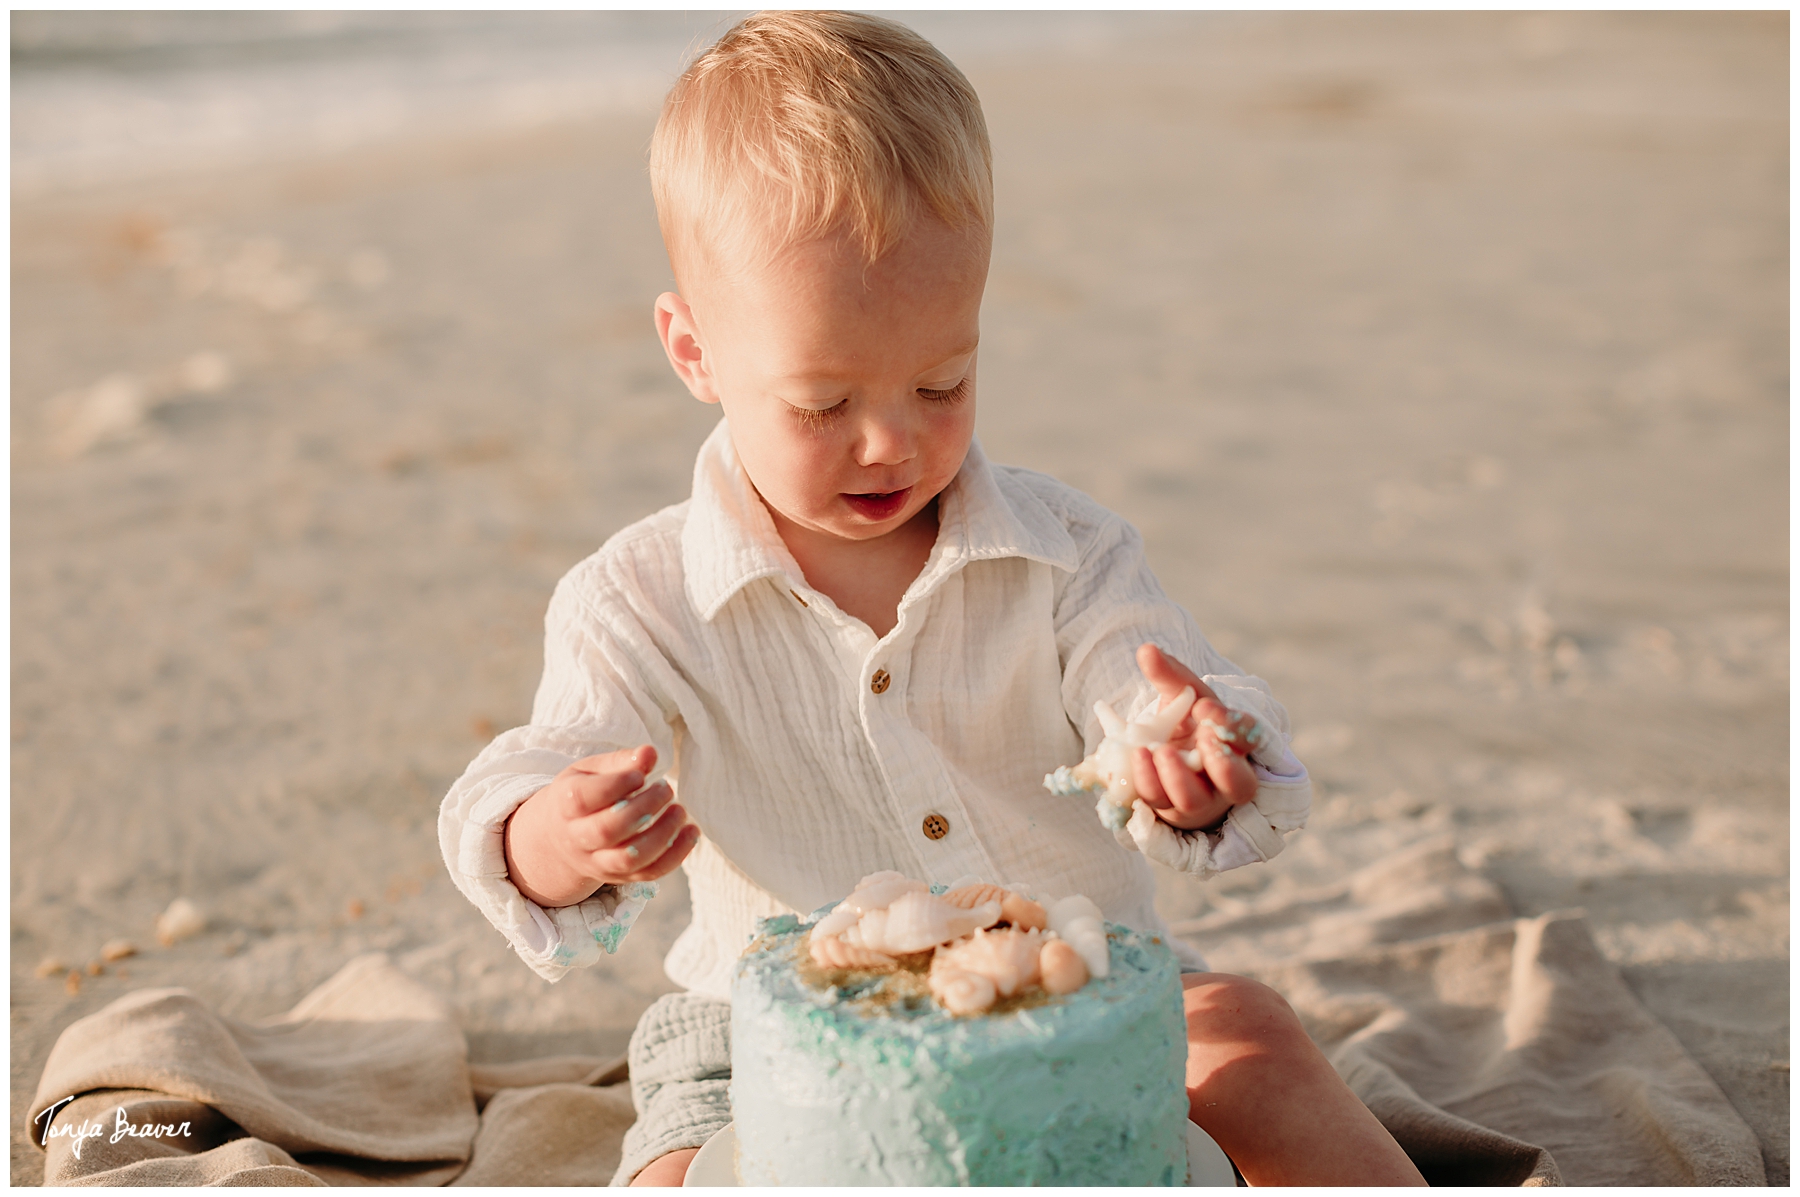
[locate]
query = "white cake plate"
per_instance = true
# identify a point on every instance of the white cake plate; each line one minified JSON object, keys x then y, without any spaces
{"x":716,"y":1165}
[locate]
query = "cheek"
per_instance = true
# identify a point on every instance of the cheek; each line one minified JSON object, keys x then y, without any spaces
{"x":951,"y":432}
{"x":789,"y":462}
{"x":758,"y":450}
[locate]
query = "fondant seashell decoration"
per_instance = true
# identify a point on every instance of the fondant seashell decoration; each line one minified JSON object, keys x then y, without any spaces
{"x":976,"y":961}
{"x":1008,"y":958}
{"x":1061,"y":968}
{"x":918,"y":922}
{"x":878,"y":891}
{"x":870,"y":931}
{"x":1078,"y":922}
{"x":962,"y":992}
{"x":840,"y":920}
{"x":832,"y":952}
{"x":872,"y":895}
{"x":1107,"y":770}
{"x":967,"y":897}
{"x":1023,"y":913}
{"x":1015,"y":908}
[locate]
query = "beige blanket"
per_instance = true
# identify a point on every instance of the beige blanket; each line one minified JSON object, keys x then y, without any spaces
{"x":366,"y":1081}
{"x":1498,"y":1052}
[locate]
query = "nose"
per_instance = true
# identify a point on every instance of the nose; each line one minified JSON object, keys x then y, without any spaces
{"x":888,"y":434}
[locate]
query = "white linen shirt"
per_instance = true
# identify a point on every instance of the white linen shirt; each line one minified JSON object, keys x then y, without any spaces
{"x":811,"y":752}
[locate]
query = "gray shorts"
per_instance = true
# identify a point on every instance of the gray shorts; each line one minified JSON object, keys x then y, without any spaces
{"x":680,"y":1058}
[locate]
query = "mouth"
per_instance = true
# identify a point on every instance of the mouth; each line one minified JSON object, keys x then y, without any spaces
{"x":878,"y":507}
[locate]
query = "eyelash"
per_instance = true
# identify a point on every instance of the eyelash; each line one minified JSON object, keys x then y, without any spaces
{"x":817,"y":419}
{"x":955,"y":394}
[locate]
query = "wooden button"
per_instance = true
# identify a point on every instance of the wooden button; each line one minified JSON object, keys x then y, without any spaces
{"x":879,"y":684}
{"x":936,"y":827}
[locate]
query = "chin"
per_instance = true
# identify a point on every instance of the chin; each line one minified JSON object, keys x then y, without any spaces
{"x":869,"y":531}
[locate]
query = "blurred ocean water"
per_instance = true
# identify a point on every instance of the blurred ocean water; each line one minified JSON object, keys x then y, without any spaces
{"x":105,"y":96}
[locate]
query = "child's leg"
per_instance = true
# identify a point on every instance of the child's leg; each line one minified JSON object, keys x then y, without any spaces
{"x":680,"y":1057}
{"x":668,"y":1170}
{"x":1271,"y":1100}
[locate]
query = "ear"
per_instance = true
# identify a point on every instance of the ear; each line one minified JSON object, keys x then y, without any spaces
{"x":681,"y":341}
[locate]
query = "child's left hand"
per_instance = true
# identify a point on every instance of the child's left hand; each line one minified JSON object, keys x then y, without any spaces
{"x":1180,"y":796}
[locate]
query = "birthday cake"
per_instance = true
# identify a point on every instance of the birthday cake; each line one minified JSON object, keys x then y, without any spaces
{"x":1030,"y":1044}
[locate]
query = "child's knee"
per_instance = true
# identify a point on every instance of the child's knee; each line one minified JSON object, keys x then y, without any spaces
{"x":666,"y":1171}
{"x":1224,"y":1009}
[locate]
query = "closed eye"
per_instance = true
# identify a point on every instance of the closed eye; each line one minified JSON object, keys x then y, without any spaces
{"x":954,"y":395}
{"x":817,"y":419}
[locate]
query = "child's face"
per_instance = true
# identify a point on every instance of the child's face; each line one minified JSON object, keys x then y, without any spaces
{"x":850,"y":389}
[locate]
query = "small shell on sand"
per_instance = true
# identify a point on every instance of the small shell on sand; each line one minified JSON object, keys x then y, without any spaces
{"x":962,"y":992}
{"x":49,"y":966}
{"x":832,"y":952}
{"x":180,"y":921}
{"x":117,"y":949}
{"x":1062,"y":968}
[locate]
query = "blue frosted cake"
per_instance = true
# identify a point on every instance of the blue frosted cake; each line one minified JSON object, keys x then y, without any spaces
{"x":848,"y":1075}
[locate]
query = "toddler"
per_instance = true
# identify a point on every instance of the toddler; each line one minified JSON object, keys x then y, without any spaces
{"x":860,"y":645}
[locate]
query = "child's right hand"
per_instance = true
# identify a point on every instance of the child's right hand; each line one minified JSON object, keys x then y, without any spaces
{"x":596,"y":824}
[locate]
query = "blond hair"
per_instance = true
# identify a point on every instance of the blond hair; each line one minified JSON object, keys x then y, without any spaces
{"x":801,"y":124}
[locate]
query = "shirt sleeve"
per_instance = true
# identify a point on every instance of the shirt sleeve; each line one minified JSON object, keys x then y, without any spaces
{"x":1109,"y":606}
{"x":593,"y":699}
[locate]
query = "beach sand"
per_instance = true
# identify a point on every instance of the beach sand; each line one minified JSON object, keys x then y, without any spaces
{"x":1441,"y":359}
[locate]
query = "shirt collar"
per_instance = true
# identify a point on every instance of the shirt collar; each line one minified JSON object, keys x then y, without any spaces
{"x":729,"y":539}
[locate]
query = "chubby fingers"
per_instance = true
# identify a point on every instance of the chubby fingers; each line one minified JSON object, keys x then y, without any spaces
{"x":619,"y":828}
{"x":1168,"y":675}
{"x":641,"y":759}
{"x":672,"y":856}
{"x":623,"y":817}
{"x":597,"y":783}
{"x":651,"y":853}
{"x":1224,"y":745}
{"x":1180,"y":796}
{"x":1237,"y":731}
{"x":1189,"y":798}
{"x":629,"y":840}
{"x":1230,"y":774}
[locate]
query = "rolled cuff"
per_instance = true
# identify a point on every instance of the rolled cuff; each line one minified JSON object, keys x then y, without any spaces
{"x":1251,"y":833}
{"x":551,"y":941}
{"x":1251,"y":696}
